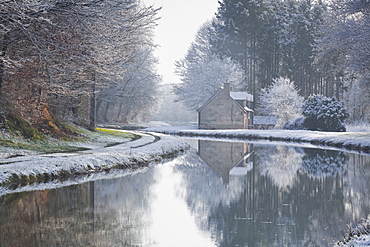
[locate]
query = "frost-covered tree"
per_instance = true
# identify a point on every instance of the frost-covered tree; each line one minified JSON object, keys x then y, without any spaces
{"x":202,"y":72}
{"x":343,"y":54}
{"x":357,"y":100}
{"x":323,"y":113}
{"x":272,"y":38}
{"x":282,"y":100}
{"x":133,"y":98}
{"x":54,"y":52}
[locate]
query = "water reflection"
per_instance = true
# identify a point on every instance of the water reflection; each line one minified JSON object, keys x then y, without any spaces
{"x":222,"y":194}
{"x":321,"y":163}
{"x":226,"y":158}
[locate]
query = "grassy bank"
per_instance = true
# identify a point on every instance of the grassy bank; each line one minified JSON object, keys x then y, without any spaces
{"x":12,"y":144}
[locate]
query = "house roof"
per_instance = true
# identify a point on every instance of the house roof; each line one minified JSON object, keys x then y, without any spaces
{"x":234,"y":95}
{"x":210,"y":99}
{"x":265,"y":120}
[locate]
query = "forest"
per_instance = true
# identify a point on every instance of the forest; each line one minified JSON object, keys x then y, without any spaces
{"x":77,"y":61}
{"x":322,"y":47}
{"x":88,"y":62}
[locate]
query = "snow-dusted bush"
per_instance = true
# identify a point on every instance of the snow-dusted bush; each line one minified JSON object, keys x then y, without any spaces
{"x":282,"y":100}
{"x":296,"y":124}
{"x":323,"y":113}
{"x":358,"y":127}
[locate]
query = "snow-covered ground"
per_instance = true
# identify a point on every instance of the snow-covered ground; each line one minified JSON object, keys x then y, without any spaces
{"x":58,"y":165}
{"x":359,"y":141}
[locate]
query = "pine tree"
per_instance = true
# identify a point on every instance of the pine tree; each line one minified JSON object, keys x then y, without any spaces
{"x":239,"y":31}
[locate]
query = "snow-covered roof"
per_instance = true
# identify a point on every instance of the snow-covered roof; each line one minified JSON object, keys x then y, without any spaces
{"x":265,"y":120}
{"x":241,"y":96}
{"x":234,"y":95}
{"x":248,"y":109}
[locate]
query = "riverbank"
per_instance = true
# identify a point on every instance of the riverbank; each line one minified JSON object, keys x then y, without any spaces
{"x":40,"y":168}
{"x":359,"y":141}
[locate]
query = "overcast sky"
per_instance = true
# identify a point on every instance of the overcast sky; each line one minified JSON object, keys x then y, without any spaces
{"x":180,"y":20}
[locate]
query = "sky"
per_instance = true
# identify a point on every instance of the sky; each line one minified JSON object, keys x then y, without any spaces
{"x":176,"y":30}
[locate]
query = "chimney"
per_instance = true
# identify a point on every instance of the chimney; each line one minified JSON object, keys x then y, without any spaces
{"x":227,"y":87}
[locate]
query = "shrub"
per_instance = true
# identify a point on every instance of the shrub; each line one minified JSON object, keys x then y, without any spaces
{"x":323,"y":113}
{"x":297,"y":124}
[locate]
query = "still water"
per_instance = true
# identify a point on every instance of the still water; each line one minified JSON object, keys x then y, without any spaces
{"x":217,"y":194}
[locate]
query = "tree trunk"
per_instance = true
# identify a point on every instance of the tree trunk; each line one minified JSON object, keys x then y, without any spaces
{"x":3,"y":46}
{"x":93,"y":108}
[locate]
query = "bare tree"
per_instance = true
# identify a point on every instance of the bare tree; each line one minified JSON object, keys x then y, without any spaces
{"x":134,"y":97}
{"x":52,"y":50}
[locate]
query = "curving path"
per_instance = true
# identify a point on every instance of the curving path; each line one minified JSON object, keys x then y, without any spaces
{"x":61,"y":166}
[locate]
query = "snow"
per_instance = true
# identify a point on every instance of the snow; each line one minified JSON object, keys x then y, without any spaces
{"x":361,"y":241}
{"x":241,"y":96}
{"x":358,"y":236}
{"x":359,"y":141}
{"x":126,"y":155}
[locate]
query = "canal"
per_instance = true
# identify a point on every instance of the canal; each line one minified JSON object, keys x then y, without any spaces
{"x":219,"y":193}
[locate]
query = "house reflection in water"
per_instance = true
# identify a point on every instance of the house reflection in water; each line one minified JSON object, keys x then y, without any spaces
{"x":227,"y":158}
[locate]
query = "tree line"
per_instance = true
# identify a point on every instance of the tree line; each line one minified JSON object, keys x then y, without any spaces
{"x":56,"y":54}
{"x":320,"y":46}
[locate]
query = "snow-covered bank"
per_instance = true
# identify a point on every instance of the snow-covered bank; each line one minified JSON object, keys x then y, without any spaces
{"x":137,"y":153}
{"x":358,"y":236}
{"x":359,"y":141}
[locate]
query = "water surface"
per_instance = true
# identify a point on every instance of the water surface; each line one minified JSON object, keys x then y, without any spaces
{"x":217,"y":194}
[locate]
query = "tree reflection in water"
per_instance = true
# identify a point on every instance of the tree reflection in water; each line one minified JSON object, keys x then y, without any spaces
{"x":101,"y":213}
{"x":230,"y":194}
{"x":286,"y":199}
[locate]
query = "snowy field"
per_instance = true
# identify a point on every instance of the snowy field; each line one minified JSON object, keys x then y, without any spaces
{"x":359,"y":141}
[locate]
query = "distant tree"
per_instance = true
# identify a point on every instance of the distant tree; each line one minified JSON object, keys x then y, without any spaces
{"x":343,"y":55}
{"x":282,"y":100}
{"x":271,"y":39}
{"x":239,"y":30}
{"x":133,"y":98}
{"x":323,"y":113}
{"x":202,"y":72}
{"x":355,"y":33}
{"x":357,"y":99}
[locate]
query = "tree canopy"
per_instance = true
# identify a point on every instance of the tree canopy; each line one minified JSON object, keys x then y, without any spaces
{"x":202,"y":72}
